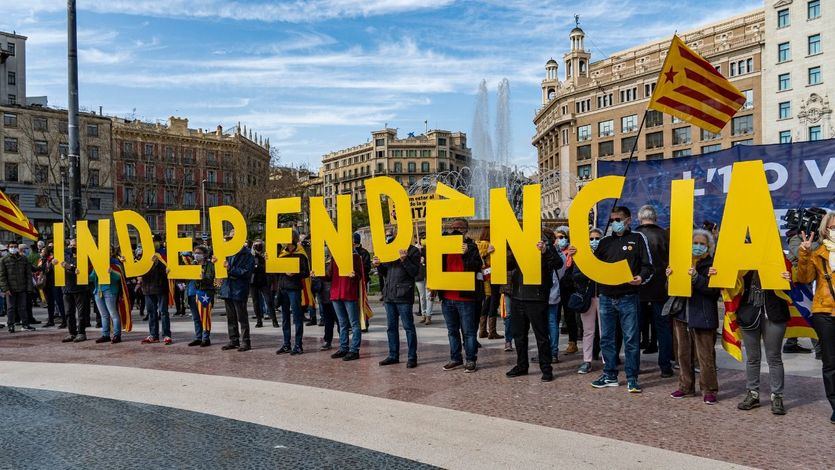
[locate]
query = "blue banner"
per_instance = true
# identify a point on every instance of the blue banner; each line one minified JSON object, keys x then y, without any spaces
{"x":799,"y":175}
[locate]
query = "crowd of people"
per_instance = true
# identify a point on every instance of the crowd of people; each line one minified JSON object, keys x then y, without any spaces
{"x":604,"y":319}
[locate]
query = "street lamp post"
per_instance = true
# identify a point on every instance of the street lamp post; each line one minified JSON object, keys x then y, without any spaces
{"x":72,"y":119}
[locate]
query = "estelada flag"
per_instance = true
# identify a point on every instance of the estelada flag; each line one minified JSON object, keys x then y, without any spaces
{"x":691,"y":89}
{"x":13,"y":220}
{"x":204,"y":309}
{"x":162,"y":254}
{"x":731,"y":334}
{"x":124,"y":295}
{"x":366,"y":312}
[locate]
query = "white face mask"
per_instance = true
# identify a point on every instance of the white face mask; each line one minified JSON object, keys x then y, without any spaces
{"x":13,"y":251}
{"x":832,"y":234}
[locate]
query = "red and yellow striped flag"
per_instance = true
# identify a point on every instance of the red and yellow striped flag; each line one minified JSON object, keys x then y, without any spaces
{"x":13,"y":220}
{"x":691,"y":89}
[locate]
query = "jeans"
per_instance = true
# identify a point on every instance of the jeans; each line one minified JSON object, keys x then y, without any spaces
{"x":554,"y":327}
{"x":461,"y":316}
{"x":825,"y":328}
{"x":424,"y":304}
{"x":508,"y":333}
{"x":291,"y":303}
{"x":621,"y":311}
{"x":395,"y":311}
{"x":527,"y":315}
{"x":157,"y":307}
{"x":199,"y":332}
{"x":106,"y":301}
{"x":663,"y":333}
{"x":348,"y":313}
{"x":770,"y":334}
{"x":261,"y":302}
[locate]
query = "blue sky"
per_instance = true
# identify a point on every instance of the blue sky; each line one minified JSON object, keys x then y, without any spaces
{"x":319,"y":75}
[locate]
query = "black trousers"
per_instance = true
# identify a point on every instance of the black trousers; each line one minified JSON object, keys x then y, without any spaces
{"x":236,"y":314}
{"x":262,"y":298}
{"x":523,"y":316}
{"x":180,"y":300}
{"x":825,"y":328}
{"x":490,"y":305}
{"x":571,"y":323}
{"x":16,"y":308}
{"x":649,"y":340}
{"x":77,"y":311}
{"x":329,"y":317}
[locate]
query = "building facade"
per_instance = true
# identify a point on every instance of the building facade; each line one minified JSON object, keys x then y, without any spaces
{"x":404,"y":159}
{"x":34,"y":164}
{"x":12,"y":69}
{"x":595,"y":112}
{"x":161,"y":167}
{"x":798,"y":70}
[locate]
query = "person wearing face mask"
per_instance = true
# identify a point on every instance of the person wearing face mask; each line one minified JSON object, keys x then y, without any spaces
{"x":588,"y":290}
{"x":76,"y":298}
{"x":234,"y":291}
{"x":653,"y":294}
{"x":291,"y":285}
{"x":695,"y":320}
{"x":155,"y":288}
{"x":389,"y":239}
{"x":16,"y":284}
{"x":200,"y":294}
{"x":619,"y":303}
{"x":260,"y":288}
{"x":565,"y":288}
{"x":819,"y":265}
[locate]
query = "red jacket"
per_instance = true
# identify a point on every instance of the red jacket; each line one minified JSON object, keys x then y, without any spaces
{"x":345,"y":287}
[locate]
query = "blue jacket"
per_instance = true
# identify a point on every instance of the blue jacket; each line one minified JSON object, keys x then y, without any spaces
{"x":236,"y":286}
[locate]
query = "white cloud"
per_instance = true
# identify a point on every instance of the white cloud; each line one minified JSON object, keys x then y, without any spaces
{"x":93,"y":55}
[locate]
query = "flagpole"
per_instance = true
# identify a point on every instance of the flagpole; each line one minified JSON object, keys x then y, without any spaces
{"x":629,"y":162}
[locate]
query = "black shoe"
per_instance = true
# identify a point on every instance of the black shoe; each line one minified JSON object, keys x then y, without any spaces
{"x":339,"y":354}
{"x":244,"y":347}
{"x":326,"y":347}
{"x":453,"y":365}
{"x":795,"y":349}
{"x":547,"y":377}
{"x":283,"y":350}
{"x":196,"y":342}
{"x":38,"y":322}
{"x":230,"y":346}
{"x":364,"y":330}
{"x":116,"y":339}
{"x":98,"y":325}
{"x":310,"y":323}
{"x":832,"y":418}
{"x":751,"y":401}
{"x":650,"y":350}
{"x":351,"y":356}
{"x":321,"y":323}
{"x":28,"y":328}
{"x":259,"y":324}
{"x":296,"y":351}
{"x":205,"y":343}
{"x":11,"y":329}
{"x":412,"y":363}
{"x":144,"y":318}
{"x":62,"y":326}
{"x":516,"y":372}
{"x":49,"y":324}
{"x":666,"y":374}
{"x":389,"y":361}
{"x":470,"y":367}
{"x":777,"y":407}
{"x":275,"y":323}
{"x":68,"y":339}
{"x":103,"y":339}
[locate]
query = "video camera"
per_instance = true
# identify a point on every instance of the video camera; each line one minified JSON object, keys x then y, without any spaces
{"x":804,"y":220}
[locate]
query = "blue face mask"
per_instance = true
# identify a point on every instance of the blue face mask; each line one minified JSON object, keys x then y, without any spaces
{"x":618,"y":226}
{"x":562,"y":243}
{"x":594,"y":244}
{"x":699,"y":250}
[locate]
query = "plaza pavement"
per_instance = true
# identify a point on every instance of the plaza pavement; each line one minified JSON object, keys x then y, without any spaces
{"x":375,"y":415}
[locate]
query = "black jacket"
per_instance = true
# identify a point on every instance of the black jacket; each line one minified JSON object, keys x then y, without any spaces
{"x":259,"y":272}
{"x":632,"y":247}
{"x":155,"y":281}
{"x":71,"y":285}
{"x":550,"y":262}
{"x":366,"y":261}
{"x":399,"y":286}
{"x":582,"y":283}
{"x":702,"y":312}
{"x":293,"y":281}
{"x":16,"y":274}
{"x":775,"y":308}
{"x":658,"y":240}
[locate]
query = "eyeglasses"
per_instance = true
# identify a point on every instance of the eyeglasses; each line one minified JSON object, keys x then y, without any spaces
{"x":616,"y":219}
{"x":594,"y":238}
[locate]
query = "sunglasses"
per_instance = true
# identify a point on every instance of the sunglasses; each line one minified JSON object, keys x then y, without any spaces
{"x":594,"y":238}
{"x":616,"y":219}
{"x":560,"y":237}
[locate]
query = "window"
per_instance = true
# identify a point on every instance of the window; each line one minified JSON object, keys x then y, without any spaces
{"x":93,"y":152}
{"x":629,"y":123}
{"x":744,"y":142}
{"x":606,"y":128}
{"x":63,"y":149}
{"x":584,"y":106}
{"x":627,"y":143}
{"x":94,"y":178}
{"x":95,"y":204}
{"x":412,"y":167}
{"x":815,"y":44}
{"x":10,"y":47}
{"x":605,"y":149}
{"x":655,"y":140}
{"x":379,"y":167}
{"x":169,"y":174}
{"x":169,"y":197}
{"x":9,"y":120}
{"x":93,"y":130}
{"x":682,"y":153}
{"x":814,"y":9}
{"x":711,"y":148}
{"x":441,"y":166}
{"x":785,"y":137}
{"x":398,"y":167}
{"x":442,"y":141}
{"x":742,"y":125}
{"x":149,"y":151}
{"x":150,"y":196}
{"x":655,"y":156}
{"x":815,"y":75}
{"x":583,"y":152}
{"x":749,"y":99}
{"x":10,"y":144}
{"x":783,"y":52}
{"x":584,"y":133}
{"x":707,"y":135}
{"x":424,"y":167}
{"x":584,"y":172}
{"x":12,"y":78}
{"x":188,"y":198}
{"x":815,"y":133}
{"x":681,"y":135}
{"x":741,"y":67}
{"x":604,"y":101}
{"x":630,"y":94}
{"x":63,"y":127}
{"x":784,"y":82}
{"x":785,"y":109}
{"x":783,"y":18}
{"x":130,"y":170}
{"x":425,"y":153}
{"x":12,"y":99}
{"x":40,"y":123}
{"x":442,"y":153}
{"x":655,"y":118}
{"x":41,"y":173}
{"x":11,"y":171}
{"x":41,"y":147}
{"x":227,"y":199}
{"x":649,"y":89}
{"x":130,"y":195}
{"x":150,"y":173}
{"x":380,"y":142}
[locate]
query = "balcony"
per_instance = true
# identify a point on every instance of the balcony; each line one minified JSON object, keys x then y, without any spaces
{"x":128,"y":155}
{"x":188,"y":161}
